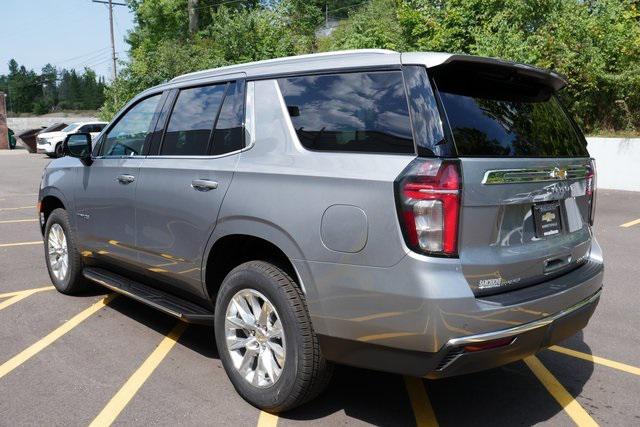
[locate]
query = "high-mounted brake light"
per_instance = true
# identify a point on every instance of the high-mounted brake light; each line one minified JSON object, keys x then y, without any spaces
{"x":428,"y":194}
{"x":590,"y":189}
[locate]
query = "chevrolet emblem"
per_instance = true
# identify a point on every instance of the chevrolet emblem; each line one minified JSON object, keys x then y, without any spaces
{"x":558,"y":173}
{"x":548,"y":217}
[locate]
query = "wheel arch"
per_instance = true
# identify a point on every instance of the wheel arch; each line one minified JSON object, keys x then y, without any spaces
{"x":241,"y":240}
{"x":51,"y":199}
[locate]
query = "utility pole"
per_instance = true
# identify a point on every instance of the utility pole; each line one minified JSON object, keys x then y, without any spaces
{"x":192,"y":6}
{"x":111,"y":3}
{"x":326,"y":15}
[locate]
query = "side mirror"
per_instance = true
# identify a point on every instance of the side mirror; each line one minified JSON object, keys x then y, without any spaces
{"x":78,"y":145}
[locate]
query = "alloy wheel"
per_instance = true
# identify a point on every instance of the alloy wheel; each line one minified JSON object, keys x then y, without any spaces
{"x":255,"y":338}
{"x":58,"y":252}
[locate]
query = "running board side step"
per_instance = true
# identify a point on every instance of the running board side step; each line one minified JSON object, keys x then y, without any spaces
{"x":160,"y":300}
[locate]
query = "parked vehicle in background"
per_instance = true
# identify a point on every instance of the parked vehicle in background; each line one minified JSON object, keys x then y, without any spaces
{"x":50,"y":143}
{"x":427,"y":214}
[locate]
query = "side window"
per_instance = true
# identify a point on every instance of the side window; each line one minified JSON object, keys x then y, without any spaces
{"x":229,"y":135}
{"x":191,"y":122}
{"x":363,"y":112}
{"x":98,"y":127}
{"x":426,"y":120}
{"x":85,"y":129}
{"x":128,"y":135}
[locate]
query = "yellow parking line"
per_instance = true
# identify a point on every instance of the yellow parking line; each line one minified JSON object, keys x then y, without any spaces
{"x":8,"y":245}
{"x":6,"y":303}
{"x":19,"y":297}
{"x":267,"y":420}
{"x":12,"y":221}
{"x":18,"y":208}
{"x":34,"y":290}
{"x":630,"y":223}
{"x":35,"y":348}
{"x":420,"y":403}
{"x":110,"y":412}
{"x":553,"y":386}
{"x":595,"y":359}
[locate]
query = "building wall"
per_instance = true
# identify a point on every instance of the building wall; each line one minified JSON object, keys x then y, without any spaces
{"x":617,"y":162}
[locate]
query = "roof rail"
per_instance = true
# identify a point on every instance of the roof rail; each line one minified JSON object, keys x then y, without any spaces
{"x":284,"y":59}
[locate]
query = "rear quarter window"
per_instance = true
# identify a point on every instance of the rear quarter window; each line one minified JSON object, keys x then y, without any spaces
{"x":356,"y":112}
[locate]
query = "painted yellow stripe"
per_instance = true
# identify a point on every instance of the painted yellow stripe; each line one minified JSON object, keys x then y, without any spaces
{"x":13,"y":221}
{"x":35,"y":348}
{"x":19,"y":297}
{"x":34,"y":290}
{"x":6,"y":303}
{"x":18,"y":208}
{"x":596,"y":359}
{"x":631,"y":223}
{"x":110,"y":412}
{"x":8,"y":245}
{"x":553,"y":386}
{"x":267,"y":420}
{"x":420,"y":403}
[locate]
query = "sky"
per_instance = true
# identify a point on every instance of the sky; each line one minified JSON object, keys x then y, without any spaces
{"x":65,"y":33}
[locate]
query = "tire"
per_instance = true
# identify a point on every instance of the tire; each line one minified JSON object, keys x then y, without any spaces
{"x":305,"y":372}
{"x":58,"y":150}
{"x":70,"y":281}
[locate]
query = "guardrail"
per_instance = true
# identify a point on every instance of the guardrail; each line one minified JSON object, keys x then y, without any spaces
{"x":617,"y":161}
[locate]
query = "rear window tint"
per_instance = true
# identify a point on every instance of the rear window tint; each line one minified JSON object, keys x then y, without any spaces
{"x":361,"y":112}
{"x":495,"y":115}
{"x":191,"y":121}
{"x":229,"y":134}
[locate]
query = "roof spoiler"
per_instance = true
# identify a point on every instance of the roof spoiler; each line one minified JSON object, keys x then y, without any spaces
{"x":547,"y":78}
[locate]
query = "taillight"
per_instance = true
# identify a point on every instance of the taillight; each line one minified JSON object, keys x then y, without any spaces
{"x":590,"y":190}
{"x":428,"y":194}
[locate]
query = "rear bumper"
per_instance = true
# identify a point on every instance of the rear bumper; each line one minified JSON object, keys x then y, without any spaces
{"x":526,"y":340}
{"x":454,"y":359}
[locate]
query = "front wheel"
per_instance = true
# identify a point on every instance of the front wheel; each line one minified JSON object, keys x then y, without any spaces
{"x":64,"y":262}
{"x":265,"y":338}
{"x":59,"y":151}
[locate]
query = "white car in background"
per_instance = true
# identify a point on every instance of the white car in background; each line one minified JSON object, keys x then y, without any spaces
{"x":50,"y":143}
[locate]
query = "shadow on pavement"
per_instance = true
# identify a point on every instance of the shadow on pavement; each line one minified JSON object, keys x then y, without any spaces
{"x":510,"y":395}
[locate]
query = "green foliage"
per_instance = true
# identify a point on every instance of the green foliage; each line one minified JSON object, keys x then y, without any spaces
{"x":595,"y":43}
{"x":42,"y":93}
{"x":246,"y":32}
{"x":374,"y":25}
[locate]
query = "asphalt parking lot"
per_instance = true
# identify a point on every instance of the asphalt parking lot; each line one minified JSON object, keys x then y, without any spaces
{"x":101,"y":359}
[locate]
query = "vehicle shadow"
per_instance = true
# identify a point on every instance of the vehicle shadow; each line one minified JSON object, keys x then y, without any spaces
{"x":510,"y":395}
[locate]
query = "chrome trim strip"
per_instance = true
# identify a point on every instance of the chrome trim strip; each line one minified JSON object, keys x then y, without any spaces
{"x":520,"y":329}
{"x":541,"y":174}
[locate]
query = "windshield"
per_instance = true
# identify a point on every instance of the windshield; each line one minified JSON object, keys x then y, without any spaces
{"x":70,"y":128}
{"x":493,"y":116}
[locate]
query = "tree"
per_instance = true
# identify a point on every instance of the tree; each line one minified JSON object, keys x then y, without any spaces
{"x":41,"y":93}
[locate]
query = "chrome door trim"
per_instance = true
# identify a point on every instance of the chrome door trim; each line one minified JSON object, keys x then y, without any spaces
{"x":540,"y":174}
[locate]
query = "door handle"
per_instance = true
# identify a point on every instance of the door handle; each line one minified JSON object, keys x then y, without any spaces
{"x":125,"y":179}
{"x":203,"y":185}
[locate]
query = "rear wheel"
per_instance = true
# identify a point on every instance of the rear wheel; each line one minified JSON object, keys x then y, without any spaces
{"x":64,"y":262}
{"x":265,"y":338}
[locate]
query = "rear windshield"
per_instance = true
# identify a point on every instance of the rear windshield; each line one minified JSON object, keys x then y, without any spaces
{"x":498,"y":115}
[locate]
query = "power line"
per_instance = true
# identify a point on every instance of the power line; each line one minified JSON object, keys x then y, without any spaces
{"x":110,"y":4}
{"x":81,"y":56}
{"x":349,"y":7}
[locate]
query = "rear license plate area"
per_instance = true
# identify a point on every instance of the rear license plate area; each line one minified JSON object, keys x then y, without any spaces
{"x":547,"y":219}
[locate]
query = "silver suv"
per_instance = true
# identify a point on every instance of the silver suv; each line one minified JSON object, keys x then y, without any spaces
{"x":421,"y":213}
